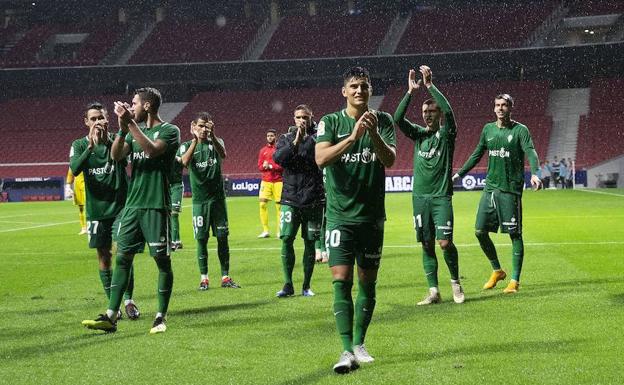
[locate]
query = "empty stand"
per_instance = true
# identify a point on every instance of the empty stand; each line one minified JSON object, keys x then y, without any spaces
{"x":28,"y":50}
{"x":472,"y":27}
{"x":327,"y":36}
{"x":601,"y":133}
{"x":196,"y":41}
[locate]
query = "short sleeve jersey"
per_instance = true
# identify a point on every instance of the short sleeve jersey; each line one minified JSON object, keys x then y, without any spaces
{"x":205,"y":172}
{"x":355,"y":183}
{"x":149,"y":183}
{"x":106,"y":181}
{"x":506,"y":148}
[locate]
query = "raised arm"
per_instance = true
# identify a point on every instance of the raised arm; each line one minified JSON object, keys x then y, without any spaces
{"x":440,"y":99}
{"x":408,"y":128}
{"x":188,"y":154}
{"x":152,"y":148}
{"x":217,"y":142}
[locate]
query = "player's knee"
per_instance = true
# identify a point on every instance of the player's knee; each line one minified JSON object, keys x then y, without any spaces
{"x":163,"y":263}
{"x":444,"y":243}
{"x":124,"y":261}
{"x":428,"y":246}
{"x":515,"y":236}
{"x":481,"y":234}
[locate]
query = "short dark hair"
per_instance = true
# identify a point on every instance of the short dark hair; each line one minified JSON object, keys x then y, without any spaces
{"x":431,"y":101}
{"x":94,"y":106}
{"x":357,"y":73}
{"x":151,"y":95}
{"x":505,"y":97}
{"x":304,"y":107}
{"x":273,"y":130}
{"x":202,"y":115}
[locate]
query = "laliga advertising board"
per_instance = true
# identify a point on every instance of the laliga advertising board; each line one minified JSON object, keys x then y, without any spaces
{"x":395,"y":183}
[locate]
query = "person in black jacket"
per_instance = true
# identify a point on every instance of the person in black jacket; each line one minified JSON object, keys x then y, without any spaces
{"x":303,"y":197}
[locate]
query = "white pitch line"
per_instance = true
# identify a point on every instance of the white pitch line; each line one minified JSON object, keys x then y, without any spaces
{"x":23,"y":223}
{"x":601,"y":192}
{"x":415,"y":246}
{"x":36,"y":227}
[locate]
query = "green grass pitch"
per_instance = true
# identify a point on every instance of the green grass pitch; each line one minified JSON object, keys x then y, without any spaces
{"x":565,"y":326}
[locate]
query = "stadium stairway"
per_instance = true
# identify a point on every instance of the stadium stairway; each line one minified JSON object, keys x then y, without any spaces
{"x":391,"y":41}
{"x":169,"y":111}
{"x":137,"y":42}
{"x":565,"y":106}
{"x":261,"y":40}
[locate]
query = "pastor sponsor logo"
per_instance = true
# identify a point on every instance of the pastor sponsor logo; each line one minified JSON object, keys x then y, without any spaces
{"x":429,"y":154}
{"x":139,"y":155}
{"x":366,"y":156}
{"x":502,"y":153}
{"x":207,"y":163}
{"x":107,"y":169}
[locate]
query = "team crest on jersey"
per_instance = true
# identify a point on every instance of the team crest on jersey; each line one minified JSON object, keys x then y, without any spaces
{"x":509,"y":138}
{"x":210,"y":147}
{"x":320,"y":130}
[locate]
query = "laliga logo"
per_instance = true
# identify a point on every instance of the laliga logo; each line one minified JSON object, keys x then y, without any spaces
{"x":469,"y":182}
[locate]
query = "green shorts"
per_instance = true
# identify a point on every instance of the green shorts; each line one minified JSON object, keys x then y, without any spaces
{"x":102,"y":233}
{"x":176,"y":192}
{"x":433,"y":217}
{"x":138,"y":226}
{"x":213,"y":215}
{"x":499,"y":209}
{"x":348,"y":243}
{"x":310,"y":219}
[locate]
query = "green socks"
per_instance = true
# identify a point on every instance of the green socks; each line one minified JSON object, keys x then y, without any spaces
{"x":451,"y":259}
{"x":175,"y":227}
{"x":308,"y":262}
{"x":430,"y":263}
{"x":130,"y":289}
{"x":202,"y":256}
{"x":223,"y":251}
{"x":343,"y":312}
{"x":288,"y":259}
{"x":165,"y":282}
{"x":119,"y":282}
{"x":364,"y":306}
{"x":488,"y":248}
{"x":517,"y":250}
{"x":106,"y":277}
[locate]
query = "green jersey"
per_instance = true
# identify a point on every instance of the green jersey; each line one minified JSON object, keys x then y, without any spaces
{"x":205,"y":172}
{"x":106,"y":182}
{"x":149,"y":183}
{"x":506,"y":148}
{"x":433,"y":150}
{"x":355,"y":183}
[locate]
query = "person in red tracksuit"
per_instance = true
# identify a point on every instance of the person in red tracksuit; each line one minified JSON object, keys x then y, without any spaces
{"x":271,"y":185}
